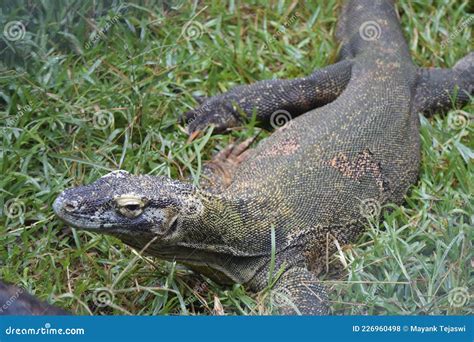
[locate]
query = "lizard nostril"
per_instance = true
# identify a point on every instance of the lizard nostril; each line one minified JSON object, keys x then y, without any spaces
{"x":70,"y":206}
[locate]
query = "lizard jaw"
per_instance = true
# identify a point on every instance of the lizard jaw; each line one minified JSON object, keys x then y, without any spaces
{"x":65,"y":211}
{"x":76,"y":221}
{"x":109,"y":224}
{"x":59,"y":208}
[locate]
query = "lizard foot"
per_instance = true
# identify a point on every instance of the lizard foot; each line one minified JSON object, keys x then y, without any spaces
{"x":218,"y":173}
{"x":218,"y":111}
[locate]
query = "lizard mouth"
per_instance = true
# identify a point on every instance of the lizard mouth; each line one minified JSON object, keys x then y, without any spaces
{"x":64,"y":211}
{"x":173,"y":224}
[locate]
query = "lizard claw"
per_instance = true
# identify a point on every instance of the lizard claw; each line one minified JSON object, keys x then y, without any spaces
{"x":234,"y":154}
{"x":193,"y":136}
{"x":220,"y":170}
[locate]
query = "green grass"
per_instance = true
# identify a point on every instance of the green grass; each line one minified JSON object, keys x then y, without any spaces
{"x":59,"y":91}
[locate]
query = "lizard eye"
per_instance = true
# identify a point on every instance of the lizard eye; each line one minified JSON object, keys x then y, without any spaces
{"x":130,"y":213}
{"x":130,"y":205}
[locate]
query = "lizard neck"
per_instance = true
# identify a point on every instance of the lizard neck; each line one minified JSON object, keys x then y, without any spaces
{"x":222,"y":226}
{"x":217,"y":213}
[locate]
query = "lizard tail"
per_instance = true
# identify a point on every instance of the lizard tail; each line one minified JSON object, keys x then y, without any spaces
{"x":366,"y":24}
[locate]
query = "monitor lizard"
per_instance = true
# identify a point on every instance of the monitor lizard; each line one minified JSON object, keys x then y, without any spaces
{"x":270,"y":213}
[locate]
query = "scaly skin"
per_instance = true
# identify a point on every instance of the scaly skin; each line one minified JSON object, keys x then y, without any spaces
{"x":311,"y":184}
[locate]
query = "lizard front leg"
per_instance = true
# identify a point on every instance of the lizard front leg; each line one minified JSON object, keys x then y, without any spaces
{"x":265,"y":98}
{"x":437,"y":88}
{"x":218,"y":173}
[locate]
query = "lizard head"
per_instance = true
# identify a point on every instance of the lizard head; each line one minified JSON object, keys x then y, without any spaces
{"x":122,"y":204}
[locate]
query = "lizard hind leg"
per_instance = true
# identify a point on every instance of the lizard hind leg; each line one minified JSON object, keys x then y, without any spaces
{"x":437,"y":90}
{"x":218,"y":173}
{"x":298,"y":292}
